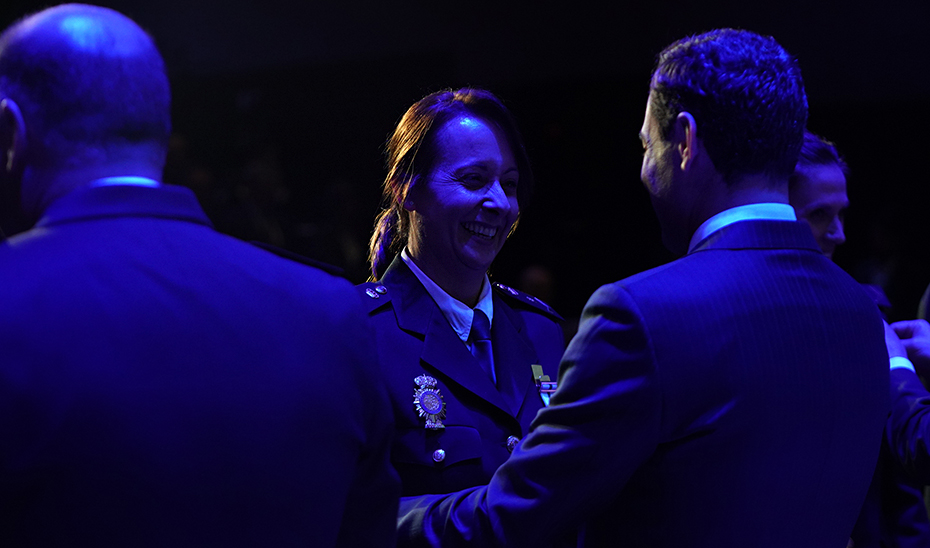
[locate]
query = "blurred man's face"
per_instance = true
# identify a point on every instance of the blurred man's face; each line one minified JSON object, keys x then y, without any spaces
{"x":818,"y":196}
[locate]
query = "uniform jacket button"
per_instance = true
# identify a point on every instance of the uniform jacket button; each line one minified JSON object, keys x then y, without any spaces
{"x":439,"y":455}
{"x":512,"y":442}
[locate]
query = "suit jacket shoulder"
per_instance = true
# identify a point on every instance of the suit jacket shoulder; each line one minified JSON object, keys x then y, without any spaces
{"x":298,"y":258}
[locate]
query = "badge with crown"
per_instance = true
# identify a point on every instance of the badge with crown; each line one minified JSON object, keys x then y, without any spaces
{"x":428,"y":402}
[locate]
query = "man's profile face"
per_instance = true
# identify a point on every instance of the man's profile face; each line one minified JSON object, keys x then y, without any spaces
{"x":656,"y":172}
{"x":660,"y":176}
{"x":818,"y":197}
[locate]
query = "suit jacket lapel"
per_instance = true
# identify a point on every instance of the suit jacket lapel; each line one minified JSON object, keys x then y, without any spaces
{"x":442,"y":349}
{"x":513,"y":355}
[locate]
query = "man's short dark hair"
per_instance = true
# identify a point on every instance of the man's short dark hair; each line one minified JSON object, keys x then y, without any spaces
{"x":817,"y":151}
{"x":746,"y":95}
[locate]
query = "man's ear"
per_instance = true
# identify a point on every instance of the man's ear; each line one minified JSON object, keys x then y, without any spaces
{"x":12,"y":136}
{"x":686,"y":139}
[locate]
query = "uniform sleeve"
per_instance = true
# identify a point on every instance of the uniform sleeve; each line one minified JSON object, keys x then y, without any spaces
{"x":602,"y":424}
{"x":908,"y":428}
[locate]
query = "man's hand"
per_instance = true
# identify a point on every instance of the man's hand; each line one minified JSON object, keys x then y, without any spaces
{"x":914,"y":337}
{"x":895,"y":347}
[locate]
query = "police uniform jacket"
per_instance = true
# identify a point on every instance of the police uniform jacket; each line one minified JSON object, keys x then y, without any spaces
{"x":482,"y":422}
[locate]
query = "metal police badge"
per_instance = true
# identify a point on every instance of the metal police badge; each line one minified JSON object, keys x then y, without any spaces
{"x":428,"y":402}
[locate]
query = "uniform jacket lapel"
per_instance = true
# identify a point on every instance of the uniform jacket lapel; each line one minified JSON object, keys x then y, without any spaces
{"x":513,"y":355}
{"x":443,"y":351}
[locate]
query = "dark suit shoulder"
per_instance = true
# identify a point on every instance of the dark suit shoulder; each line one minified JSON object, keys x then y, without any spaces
{"x":296,"y":257}
{"x":521,"y":300}
{"x":374,"y":295}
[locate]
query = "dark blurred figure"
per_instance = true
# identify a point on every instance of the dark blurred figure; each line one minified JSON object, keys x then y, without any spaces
{"x":540,"y":281}
{"x":162,"y":384}
{"x":893,"y":514}
{"x":338,"y":230}
{"x":909,"y":430}
{"x":461,"y":348}
{"x":734,"y":397}
{"x":893,"y":258}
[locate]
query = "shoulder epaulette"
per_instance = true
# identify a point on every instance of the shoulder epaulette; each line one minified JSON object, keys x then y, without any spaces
{"x":374,"y":294}
{"x":527,"y":299}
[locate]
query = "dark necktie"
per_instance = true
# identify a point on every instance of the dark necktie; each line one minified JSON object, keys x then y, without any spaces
{"x":480,"y":339}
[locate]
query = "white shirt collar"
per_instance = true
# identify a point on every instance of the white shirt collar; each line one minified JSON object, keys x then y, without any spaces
{"x":754,"y":212}
{"x":458,"y":314}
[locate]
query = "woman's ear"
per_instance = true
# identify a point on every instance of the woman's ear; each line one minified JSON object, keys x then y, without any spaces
{"x":409,"y":204}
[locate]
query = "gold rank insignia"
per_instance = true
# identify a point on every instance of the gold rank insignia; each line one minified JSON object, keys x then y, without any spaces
{"x":545,"y":386}
{"x":428,"y":402}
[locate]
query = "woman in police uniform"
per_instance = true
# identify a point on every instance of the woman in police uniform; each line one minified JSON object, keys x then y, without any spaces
{"x":457,"y":176}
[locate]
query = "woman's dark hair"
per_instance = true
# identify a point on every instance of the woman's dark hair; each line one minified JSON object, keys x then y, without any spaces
{"x":411,"y":154}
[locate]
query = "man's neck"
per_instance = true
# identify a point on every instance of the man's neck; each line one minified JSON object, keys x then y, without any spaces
{"x":43,"y":186}
{"x":750,"y":189}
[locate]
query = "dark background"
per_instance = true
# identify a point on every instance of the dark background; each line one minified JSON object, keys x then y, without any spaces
{"x":281,"y":110}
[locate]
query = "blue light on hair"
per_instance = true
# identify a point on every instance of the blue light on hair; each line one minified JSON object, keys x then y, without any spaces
{"x":469,"y":123}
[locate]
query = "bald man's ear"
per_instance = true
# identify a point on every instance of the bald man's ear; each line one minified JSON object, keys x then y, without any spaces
{"x":12,"y":136}
{"x":686,"y":139}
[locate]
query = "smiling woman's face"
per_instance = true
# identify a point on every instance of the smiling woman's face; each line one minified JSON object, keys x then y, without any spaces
{"x":463,"y":209}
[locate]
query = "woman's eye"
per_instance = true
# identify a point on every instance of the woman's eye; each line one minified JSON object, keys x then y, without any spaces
{"x":473,"y":180}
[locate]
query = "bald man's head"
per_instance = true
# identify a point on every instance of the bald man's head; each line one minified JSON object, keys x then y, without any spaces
{"x":89,"y":82}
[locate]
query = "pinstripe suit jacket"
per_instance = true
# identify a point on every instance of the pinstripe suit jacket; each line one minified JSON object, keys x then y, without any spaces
{"x":734,"y":397}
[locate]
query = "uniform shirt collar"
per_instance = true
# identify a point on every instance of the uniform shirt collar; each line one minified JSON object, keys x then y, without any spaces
{"x":749,"y":212}
{"x":458,"y":314}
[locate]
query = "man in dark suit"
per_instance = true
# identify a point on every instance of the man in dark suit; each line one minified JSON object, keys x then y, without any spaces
{"x":734,"y":397}
{"x":893,"y":514}
{"x":162,"y":384}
